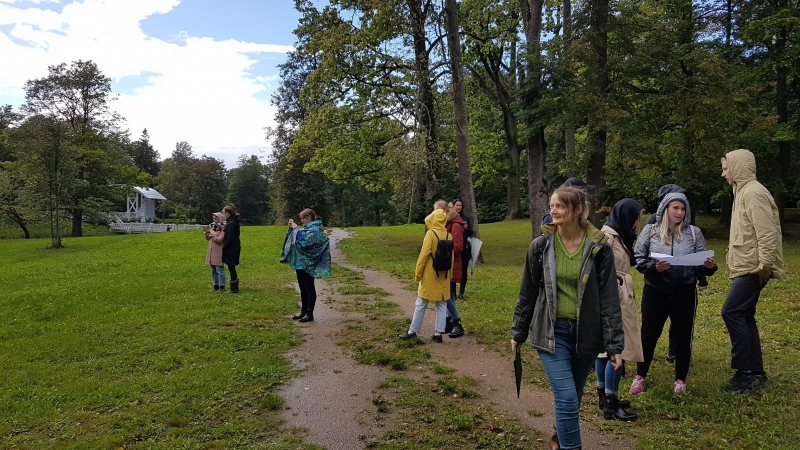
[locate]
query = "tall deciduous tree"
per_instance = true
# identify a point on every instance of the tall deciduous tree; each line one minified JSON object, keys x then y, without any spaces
{"x":248,"y":187}
{"x":77,"y":95}
{"x":459,"y":92}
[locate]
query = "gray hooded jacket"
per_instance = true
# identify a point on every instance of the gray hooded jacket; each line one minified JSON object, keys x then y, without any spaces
{"x":649,"y":241}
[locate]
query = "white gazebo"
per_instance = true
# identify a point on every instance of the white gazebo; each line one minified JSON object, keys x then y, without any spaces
{"x":142,"y":206}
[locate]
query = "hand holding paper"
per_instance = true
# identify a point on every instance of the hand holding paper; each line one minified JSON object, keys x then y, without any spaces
{"x":692,"y":259}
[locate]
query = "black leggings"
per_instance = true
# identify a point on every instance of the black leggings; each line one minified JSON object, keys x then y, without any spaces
{"x":680,"y":306}
{"x":232,"y":270}
{"x":464,"y":267}
{"x":308,"y":293}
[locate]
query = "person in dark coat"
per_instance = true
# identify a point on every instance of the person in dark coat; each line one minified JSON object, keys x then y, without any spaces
{"x":231,"y":246}
{"x":466,"y":252}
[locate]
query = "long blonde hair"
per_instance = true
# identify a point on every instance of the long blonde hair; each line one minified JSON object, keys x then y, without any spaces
{"x":663,"y":229}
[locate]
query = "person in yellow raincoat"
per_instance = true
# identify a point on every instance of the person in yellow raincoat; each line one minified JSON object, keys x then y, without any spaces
{"x":433,"y":286}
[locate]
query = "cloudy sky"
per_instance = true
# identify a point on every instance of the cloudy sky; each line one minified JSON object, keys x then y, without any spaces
{"x":200,"y":71}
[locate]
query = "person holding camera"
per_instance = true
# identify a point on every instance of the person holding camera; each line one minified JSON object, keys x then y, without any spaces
{"x":231,"y":246}
{"x":214,"y":235}
{"x":307,"y":249}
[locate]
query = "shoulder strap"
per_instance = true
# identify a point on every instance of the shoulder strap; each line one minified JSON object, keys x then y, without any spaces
{"x":694,"y":237}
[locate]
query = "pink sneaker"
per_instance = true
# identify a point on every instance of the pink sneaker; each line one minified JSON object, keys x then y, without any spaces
{"x":638,"y":385}
{"x":679,"y":387}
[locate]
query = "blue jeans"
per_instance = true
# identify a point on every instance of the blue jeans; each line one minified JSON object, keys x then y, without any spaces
{"x":452,"y":312}
{"x":567,"y":373}
{"x":218,"y":275}
{"x":607,"y":377}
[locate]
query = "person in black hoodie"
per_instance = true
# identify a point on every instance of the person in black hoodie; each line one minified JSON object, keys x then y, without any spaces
{"x":231,"y":246}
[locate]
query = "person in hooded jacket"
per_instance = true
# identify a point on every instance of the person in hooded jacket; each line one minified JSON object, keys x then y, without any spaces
{"x":215,"y":236}
{"x":702,"y":281}
{"x":755,"y":255}
{"x":433,"y":286}
{"x":569,"y":306}
{"x":455,"y":226}
{"x":307,"y":249}
{"x":669,"y":291}
{"x":231,"y":246}
{"x":620,"y":228}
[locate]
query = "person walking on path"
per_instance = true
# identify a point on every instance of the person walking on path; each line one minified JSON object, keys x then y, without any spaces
{"x":755,"y":255}
{"x":455,"y":226}
{"x":214,"y":235}
{"x":620,"y":229}
{"x":466,"y":252}
{"x":669,"y":291}
{"x":307,"y":249}
{"x":569,"y":274}
{"x":434,"y":286}
{"x":231,"y":246}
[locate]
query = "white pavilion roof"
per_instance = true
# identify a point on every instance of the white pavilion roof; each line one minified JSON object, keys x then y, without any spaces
{"x":149,"y":193}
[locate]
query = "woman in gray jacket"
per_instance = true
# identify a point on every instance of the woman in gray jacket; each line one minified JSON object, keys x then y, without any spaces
{"x":568,"y":304}
{"x":669,"y":291}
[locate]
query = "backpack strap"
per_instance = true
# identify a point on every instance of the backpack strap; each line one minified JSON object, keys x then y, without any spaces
{"x":694,"y":237}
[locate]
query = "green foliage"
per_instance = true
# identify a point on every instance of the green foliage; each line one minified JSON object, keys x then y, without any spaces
{"x":247,"y":189}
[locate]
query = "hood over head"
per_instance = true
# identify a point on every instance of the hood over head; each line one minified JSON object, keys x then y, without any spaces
{"x":436,"y":220}
{"x":668,"y":189}
{"x":622,"y":219}
{"x":219,"y":216}
{"x":742,"y":166}
{"x":669,"y":198}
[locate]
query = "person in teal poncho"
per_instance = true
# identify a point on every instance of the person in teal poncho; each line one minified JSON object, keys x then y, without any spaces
{"x":308,"y":251}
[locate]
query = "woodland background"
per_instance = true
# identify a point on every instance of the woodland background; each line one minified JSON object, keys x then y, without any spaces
{"x":385,"y":106}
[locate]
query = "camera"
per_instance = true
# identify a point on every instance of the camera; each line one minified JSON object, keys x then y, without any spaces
{"x":214,"y":226}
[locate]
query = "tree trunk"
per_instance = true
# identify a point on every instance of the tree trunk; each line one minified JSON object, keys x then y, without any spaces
{"x":426,"y":115}
{"x":569,"y":120}
{"x":784,"y":146}
{"x":19,"y":220}
{"x":536,"y":145}
{"x":77,"y":222}
{"x":537,"y":197}
{"x":597,"y":132}
{"x":459,"y":92}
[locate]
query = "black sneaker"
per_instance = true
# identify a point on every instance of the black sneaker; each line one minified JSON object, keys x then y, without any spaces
{"x":408,"y":335}
{"x":742,"y":382}
{"x":437,"y":338}
{"x":670,"y":357}
{"x":760,"y":379}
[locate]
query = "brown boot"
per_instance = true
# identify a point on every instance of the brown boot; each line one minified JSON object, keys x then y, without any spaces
{"x":552,"y":441}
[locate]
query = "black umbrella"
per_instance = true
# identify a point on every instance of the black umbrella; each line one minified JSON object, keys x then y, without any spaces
{"x":518,"y":369}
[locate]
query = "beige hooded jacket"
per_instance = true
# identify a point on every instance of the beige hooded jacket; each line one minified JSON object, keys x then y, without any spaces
{"x":755,"y":239}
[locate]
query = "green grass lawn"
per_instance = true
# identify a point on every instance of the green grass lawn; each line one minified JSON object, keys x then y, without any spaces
{"x":706,"y":417}
{"x":119,"y":342}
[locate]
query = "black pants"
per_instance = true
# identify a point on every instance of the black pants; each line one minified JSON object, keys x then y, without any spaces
{"x":308,"y":293}
{"x":232,"y":271}
{"x":739,"y":314}
{"x":680,"y":306}
{"x":464,"y":267}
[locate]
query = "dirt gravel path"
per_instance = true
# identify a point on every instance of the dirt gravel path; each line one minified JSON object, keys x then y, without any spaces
{"x":332,"y":397}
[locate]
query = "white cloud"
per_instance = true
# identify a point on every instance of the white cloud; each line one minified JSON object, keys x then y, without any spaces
{"x":203,"y":90}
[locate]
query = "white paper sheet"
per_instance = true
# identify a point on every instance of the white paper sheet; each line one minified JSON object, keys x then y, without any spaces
{"x":692,"y":259}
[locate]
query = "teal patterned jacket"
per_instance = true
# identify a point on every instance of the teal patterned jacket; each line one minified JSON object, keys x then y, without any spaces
{"x":308,"y":248}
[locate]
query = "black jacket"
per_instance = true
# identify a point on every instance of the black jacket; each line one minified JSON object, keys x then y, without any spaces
{"x":231,"y":246}
{"x":599,"y":314}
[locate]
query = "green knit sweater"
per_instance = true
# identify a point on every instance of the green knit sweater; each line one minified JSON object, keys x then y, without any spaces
{"x":568,"y":267}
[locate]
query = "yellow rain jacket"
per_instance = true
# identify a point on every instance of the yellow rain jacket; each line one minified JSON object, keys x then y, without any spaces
{"x":432,"y":287}
{"x":755,"y":240}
